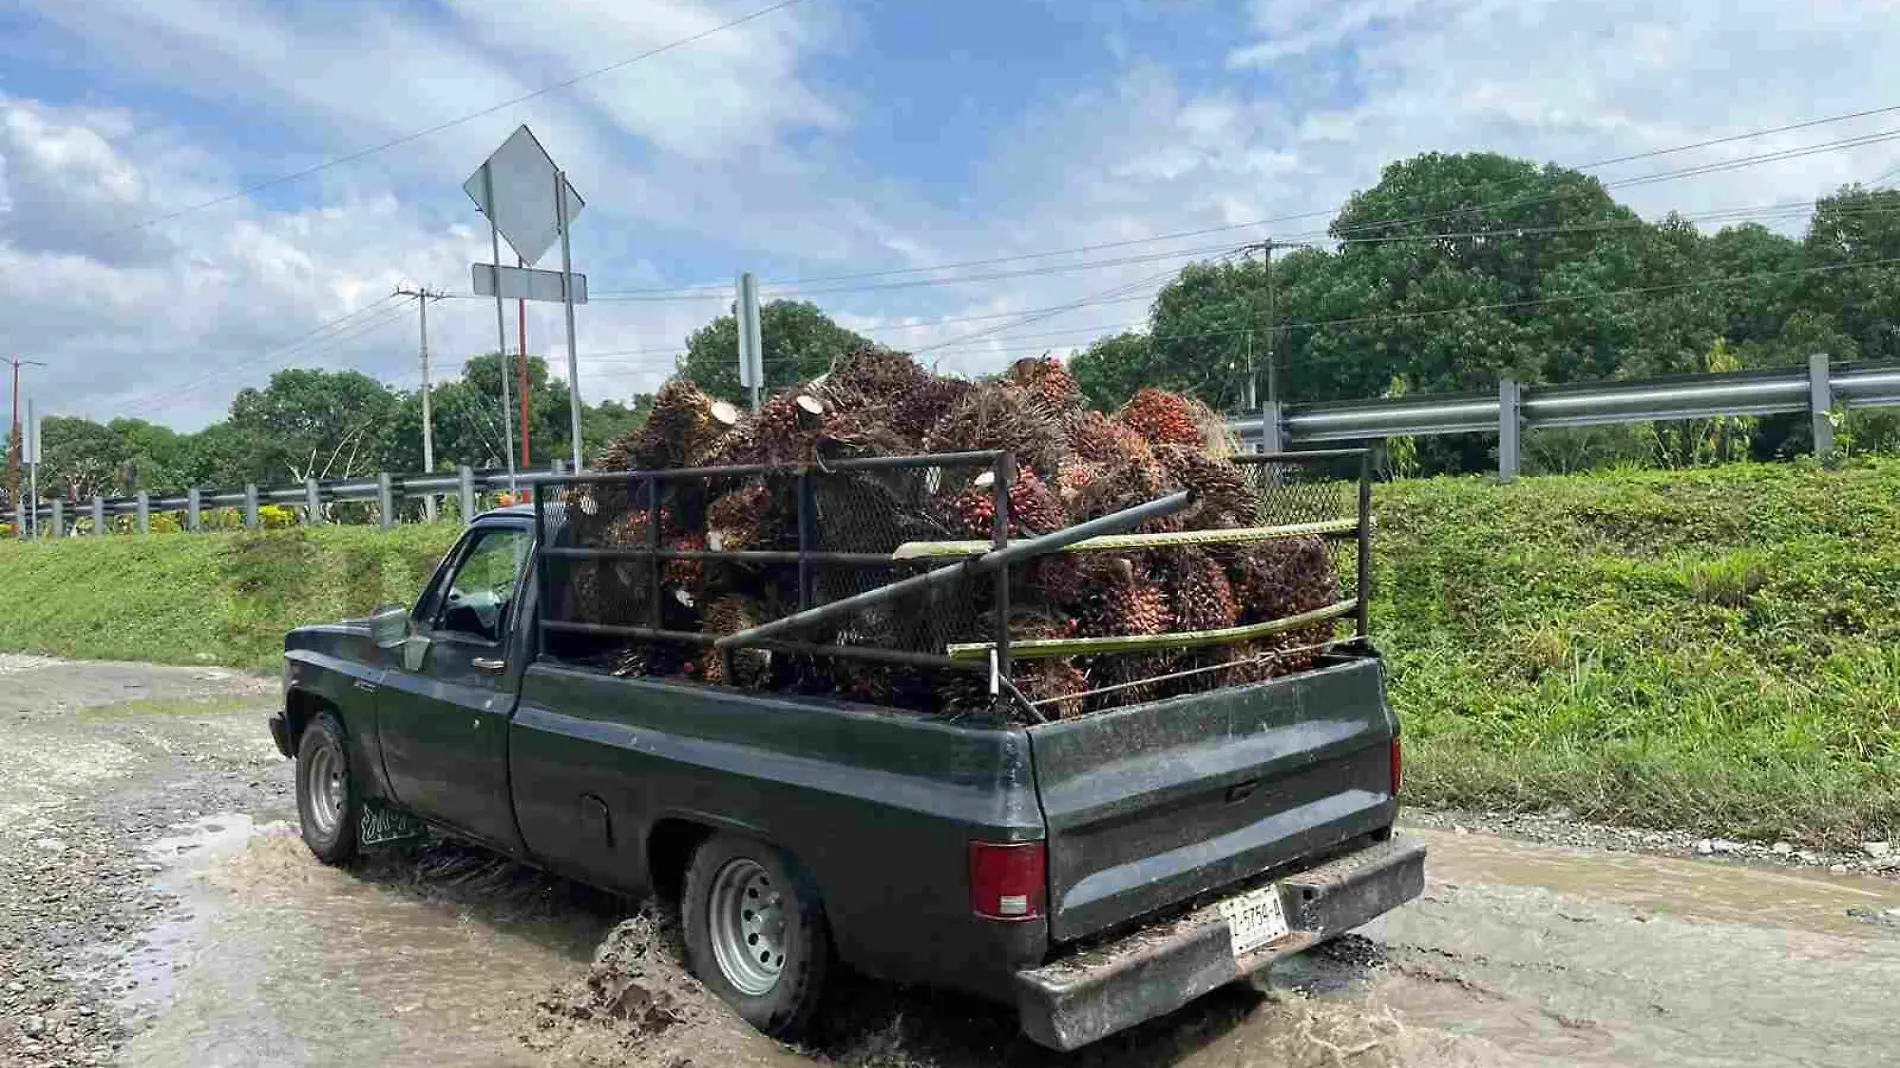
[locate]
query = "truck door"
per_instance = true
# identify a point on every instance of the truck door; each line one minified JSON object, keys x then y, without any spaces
{"x":443,"y":712}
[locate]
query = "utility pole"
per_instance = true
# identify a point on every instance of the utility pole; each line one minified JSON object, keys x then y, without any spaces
{"x":1273,"y":382}
{"x":423,"y":297}
{"x":16,"y":445}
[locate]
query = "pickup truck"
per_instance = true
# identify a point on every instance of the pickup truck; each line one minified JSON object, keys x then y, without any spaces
{"x":1092,"y":872}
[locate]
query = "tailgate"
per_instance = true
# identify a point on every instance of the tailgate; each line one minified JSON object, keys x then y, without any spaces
{"x":1152,"y":805}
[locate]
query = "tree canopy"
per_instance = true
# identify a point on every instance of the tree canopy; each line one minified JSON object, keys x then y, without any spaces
{"x":800,"y":344}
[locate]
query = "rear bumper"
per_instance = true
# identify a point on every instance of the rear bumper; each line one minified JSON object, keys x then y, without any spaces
{"x":1157,"y":969}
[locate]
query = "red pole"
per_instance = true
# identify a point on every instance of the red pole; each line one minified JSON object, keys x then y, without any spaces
{"x":521,"y":369}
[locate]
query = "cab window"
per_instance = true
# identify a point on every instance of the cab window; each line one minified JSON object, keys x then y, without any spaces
{"x":478,"y":597}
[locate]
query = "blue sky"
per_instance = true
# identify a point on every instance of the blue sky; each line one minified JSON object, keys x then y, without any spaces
{"x":833,"y":137}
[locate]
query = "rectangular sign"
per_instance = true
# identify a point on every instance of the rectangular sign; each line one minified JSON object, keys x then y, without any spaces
{"x":526,"y":284}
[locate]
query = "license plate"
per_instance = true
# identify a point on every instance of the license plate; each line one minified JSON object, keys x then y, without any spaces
{"x":1254,"y":919}
{"x":380,"y":825}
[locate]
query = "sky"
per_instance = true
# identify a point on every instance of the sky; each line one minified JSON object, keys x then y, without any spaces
{"x":171,"y":231}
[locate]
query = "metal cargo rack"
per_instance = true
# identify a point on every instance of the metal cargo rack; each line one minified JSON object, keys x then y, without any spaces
{"x":1297,"y":486}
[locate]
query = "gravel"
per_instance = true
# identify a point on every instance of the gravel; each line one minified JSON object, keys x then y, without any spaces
{"x":75,"y":879}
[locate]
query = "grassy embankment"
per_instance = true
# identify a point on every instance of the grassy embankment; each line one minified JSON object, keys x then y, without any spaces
{"x":1715,"y":650}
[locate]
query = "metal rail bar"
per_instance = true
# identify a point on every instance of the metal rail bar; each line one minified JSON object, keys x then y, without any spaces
{"x":1000,"y":558}
{"x":1138,"y":643}
{"x":923,"y":550}
{"x":743,"y":556}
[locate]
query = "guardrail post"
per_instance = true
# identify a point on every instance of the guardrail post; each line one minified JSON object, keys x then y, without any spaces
{"x":19,"y":519}
{"x":194,"y":510}
{"x":59,"y":518}
{"x":1272,"y":427}
{"x":467,"y":475}
{"x":1821,"y":405}
{"x":385,"y":499}
{"x":1510,"y":423}
{"x":98,"y":516}
{"x":145,"y":512}
{"x":250,"y":505}
{"x":312,"y":503}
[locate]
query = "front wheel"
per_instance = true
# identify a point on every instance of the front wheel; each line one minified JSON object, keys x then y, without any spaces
{"x":327,"y":802}
{"x":753,"y":934}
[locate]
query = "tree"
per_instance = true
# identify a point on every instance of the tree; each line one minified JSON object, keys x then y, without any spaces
{"x":80,"y":459}
{"x":800,"y":343}
{"x":321,"y":424}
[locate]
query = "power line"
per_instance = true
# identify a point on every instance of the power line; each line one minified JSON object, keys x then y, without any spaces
{"x":311,"y":344}
{"x":1058,"y":310}
{"x":713,"y":292}
{"x":451,"y":123}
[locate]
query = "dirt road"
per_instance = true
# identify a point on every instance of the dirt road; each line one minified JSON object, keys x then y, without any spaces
{"x":157,"y":909}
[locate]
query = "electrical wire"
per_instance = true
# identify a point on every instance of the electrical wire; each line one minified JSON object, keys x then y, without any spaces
{"x":306,"y":348}
{"x":713,"y":292}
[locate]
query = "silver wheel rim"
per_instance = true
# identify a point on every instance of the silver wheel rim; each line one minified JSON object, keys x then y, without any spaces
{"x":323,"y":785}
{"x":750,"y":921}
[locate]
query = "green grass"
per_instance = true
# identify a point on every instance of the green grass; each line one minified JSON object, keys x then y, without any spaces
{"x":204,"y":598}
{"x":1715,"y":650}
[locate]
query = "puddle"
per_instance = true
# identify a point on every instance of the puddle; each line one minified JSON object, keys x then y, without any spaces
{"x":283,"y":961}
{"x":1715,"y":891}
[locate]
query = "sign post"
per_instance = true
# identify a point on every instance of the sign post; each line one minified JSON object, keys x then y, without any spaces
{"x":501,"y":327}
{"x":513,"y":189}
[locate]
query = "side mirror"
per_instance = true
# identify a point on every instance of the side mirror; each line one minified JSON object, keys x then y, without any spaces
{"x":389,"y":626}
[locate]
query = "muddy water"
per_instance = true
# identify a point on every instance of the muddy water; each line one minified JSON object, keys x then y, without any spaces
{"x":1518,"y":954}
{"x":1619,"y":958}
{"x":288,"y":962}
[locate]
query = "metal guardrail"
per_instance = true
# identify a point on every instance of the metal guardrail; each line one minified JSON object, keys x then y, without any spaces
{"x":58,"y":517}
{"x":1815,"y":389}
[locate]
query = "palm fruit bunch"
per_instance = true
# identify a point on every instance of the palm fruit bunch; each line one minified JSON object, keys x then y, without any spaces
{"x":997,"y":415}
{"x":1121,"y":601}
{"x":730,"y":615}
{"x":871,"y":377}
{"x":1162,"y":418}
{"x":1204,"y":597}
{"x":738,"y":520}
{"x":1033,"y":508}
{"x":1282,"y":578}
{"x":1049,"y":383}
{"x":682,"y":429}
{"x":685,"y":578}
{"x":1224,"y":494}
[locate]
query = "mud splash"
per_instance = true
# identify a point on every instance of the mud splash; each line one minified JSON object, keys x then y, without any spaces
{"x":638,"y":1005}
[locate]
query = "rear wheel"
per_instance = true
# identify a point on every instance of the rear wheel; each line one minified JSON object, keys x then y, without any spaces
{"x":327,"y":802}
{"x":754,"y":935}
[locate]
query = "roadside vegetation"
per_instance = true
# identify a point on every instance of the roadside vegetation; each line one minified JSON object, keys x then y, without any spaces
{"x":1716,"y":650}
{"x":217,"y":598}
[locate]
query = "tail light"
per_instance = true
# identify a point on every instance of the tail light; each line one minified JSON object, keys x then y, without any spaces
{"x":1008,"y":880}
{"x":1398,"y":766}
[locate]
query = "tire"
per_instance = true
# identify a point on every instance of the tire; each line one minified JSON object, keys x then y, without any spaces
{"x":328,"y":805}
{"x":778,"y":996}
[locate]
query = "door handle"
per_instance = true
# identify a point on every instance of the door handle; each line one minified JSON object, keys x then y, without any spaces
{"x":489,"y":665}
{"x":366,"y":687}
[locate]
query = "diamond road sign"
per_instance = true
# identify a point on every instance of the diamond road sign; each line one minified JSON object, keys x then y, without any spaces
{"x":515,"y":189}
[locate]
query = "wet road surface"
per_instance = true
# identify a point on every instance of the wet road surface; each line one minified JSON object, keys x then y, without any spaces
{"x":157,"y":908}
